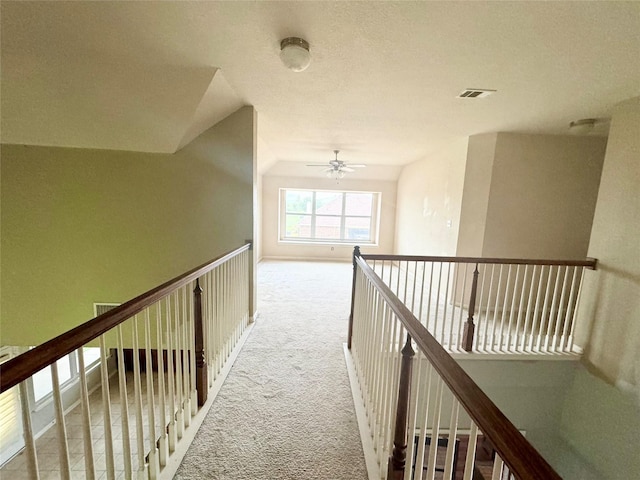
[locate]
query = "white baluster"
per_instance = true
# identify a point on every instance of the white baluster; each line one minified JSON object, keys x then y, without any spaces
{"x":89,"y":466}
{"x":471,"y":452}
{"x":461,"y":319}
{"x":27,"y":433}
{"x":528,"y":321}
{"x":172,"y":433}
{"x":192,"y":354}
{"x":545,"y":319}
{"x":63,"y":447}
{"x":480,"y":320}
{"x":497,"y":468}
{"x":521,"y":306}
{"x":163,"y":443}
{"x":486,"y":310}
{"x":154,"y":460}
{"x":561,"y":306}
{"x":553,"y":317}
{"x":185,"y":358}
{"x":451,"y":443}
{"x":574,"y":307}
{"x":106,"y":410}
{"x":178,"y":373}
{"x":413,"y":409}
{"x":567,"y":345}
{"x":424,"y":410}
{"x":435,"y":430}
{"x":511,"y":334}
{"x":124,"y":407}
{"x":446,"y":304}
{"x":142,"y":469}
{"x":507,"y":287}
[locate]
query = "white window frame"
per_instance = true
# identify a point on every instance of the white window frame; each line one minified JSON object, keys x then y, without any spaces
{"x":375,"y":219}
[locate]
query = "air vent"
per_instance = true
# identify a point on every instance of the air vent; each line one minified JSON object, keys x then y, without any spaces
{"x":100,"y":308}
{"x":475,"y":93}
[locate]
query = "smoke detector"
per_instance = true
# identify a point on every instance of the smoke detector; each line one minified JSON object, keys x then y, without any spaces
{"x":582,"y":127}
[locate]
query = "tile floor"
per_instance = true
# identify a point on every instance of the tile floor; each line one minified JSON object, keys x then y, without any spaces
{"x":47,"y":443}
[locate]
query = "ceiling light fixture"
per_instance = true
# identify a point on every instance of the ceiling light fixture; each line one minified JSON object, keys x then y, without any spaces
{"x":294,"y":53}
{"x":582,"y":127}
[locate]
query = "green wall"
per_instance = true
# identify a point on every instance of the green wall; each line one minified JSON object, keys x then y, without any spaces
{"x":82,"y":226}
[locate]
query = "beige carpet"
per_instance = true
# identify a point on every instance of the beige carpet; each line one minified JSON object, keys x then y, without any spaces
{"x":286,"y":411}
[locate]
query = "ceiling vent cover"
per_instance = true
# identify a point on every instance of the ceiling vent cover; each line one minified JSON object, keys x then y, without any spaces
{"x":475,"y":93}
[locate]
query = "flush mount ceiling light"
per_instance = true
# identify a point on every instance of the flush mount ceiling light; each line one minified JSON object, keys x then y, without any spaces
{"x":582,"y":127}
{"x":294,"y":53}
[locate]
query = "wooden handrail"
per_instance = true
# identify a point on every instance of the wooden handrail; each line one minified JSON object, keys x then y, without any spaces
{"x":523,"y":460}
{"x":589,"y":263}
{"x":23,"y":366}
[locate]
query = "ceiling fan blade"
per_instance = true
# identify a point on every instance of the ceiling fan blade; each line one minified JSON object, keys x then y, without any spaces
{"x":357,"y":165}
{"x":347,"y":169}
{"x":317,"y":165}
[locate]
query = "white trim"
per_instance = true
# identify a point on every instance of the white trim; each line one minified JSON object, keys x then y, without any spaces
{"x":308,"y":259}
{"x":370,"y":458}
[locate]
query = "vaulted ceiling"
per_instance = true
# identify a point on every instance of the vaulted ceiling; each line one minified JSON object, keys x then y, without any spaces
{"x":382,"y":85}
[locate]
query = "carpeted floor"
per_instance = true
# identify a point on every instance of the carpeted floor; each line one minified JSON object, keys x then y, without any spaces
{"x":286,"y":411}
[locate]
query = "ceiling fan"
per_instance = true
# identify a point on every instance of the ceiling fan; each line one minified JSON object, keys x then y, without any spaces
{"x":337,"y":168}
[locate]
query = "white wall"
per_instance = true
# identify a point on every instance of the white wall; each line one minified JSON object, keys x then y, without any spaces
{"x":429,"y":198}
{"x":543,"y":195}
{"x":534,"y":199}
{"x":601,"y":421}
{"x":609,"y":321}
{"x":272,"y":248}
{"x":475,"y":199}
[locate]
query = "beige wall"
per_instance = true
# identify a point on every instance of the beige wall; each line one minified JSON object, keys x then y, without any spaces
{"x":429,"y":198}
{"x":610,"y":311}
{"x":271,"y":247}
{"x":475,"y":200}
{"x":82,"y":226}
{"x":540,"y":195}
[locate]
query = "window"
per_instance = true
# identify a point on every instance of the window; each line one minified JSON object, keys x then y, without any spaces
{"x":327,"y":216}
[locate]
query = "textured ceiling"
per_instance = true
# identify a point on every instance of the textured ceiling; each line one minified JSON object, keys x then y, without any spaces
{"x":381,"y":86}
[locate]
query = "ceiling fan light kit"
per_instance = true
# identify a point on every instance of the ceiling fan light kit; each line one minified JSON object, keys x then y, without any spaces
{"x":337,"y":168}
{"x":294,"y":53}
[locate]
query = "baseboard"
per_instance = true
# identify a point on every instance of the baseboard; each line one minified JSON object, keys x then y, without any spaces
{"x":306,"y":259}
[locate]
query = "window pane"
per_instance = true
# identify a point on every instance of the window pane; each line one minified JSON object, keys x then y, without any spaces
{"x":298,"y":226}
{"x":359,"y":204}
{"x":327,"y":227}
{"x":91,"y":355}
{"x":298,"y":201}
{"x":329,"y":203}
{"x":357,"y":228}
{"x":42,"y":385}
{"x":64,"y":368}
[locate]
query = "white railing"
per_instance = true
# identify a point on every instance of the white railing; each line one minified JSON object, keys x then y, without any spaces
{"x":489,"y":305}
{"x":153,"y":375}
{"x":426,"y":417}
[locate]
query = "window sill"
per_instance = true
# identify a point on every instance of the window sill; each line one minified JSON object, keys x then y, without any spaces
{"x":328,"y":243}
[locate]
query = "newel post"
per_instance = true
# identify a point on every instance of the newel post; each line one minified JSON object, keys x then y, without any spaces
{"x":469,"y":327}
{"x":356,"y":253}
{"x":397,"y":461}
{"x":201,"y":363}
